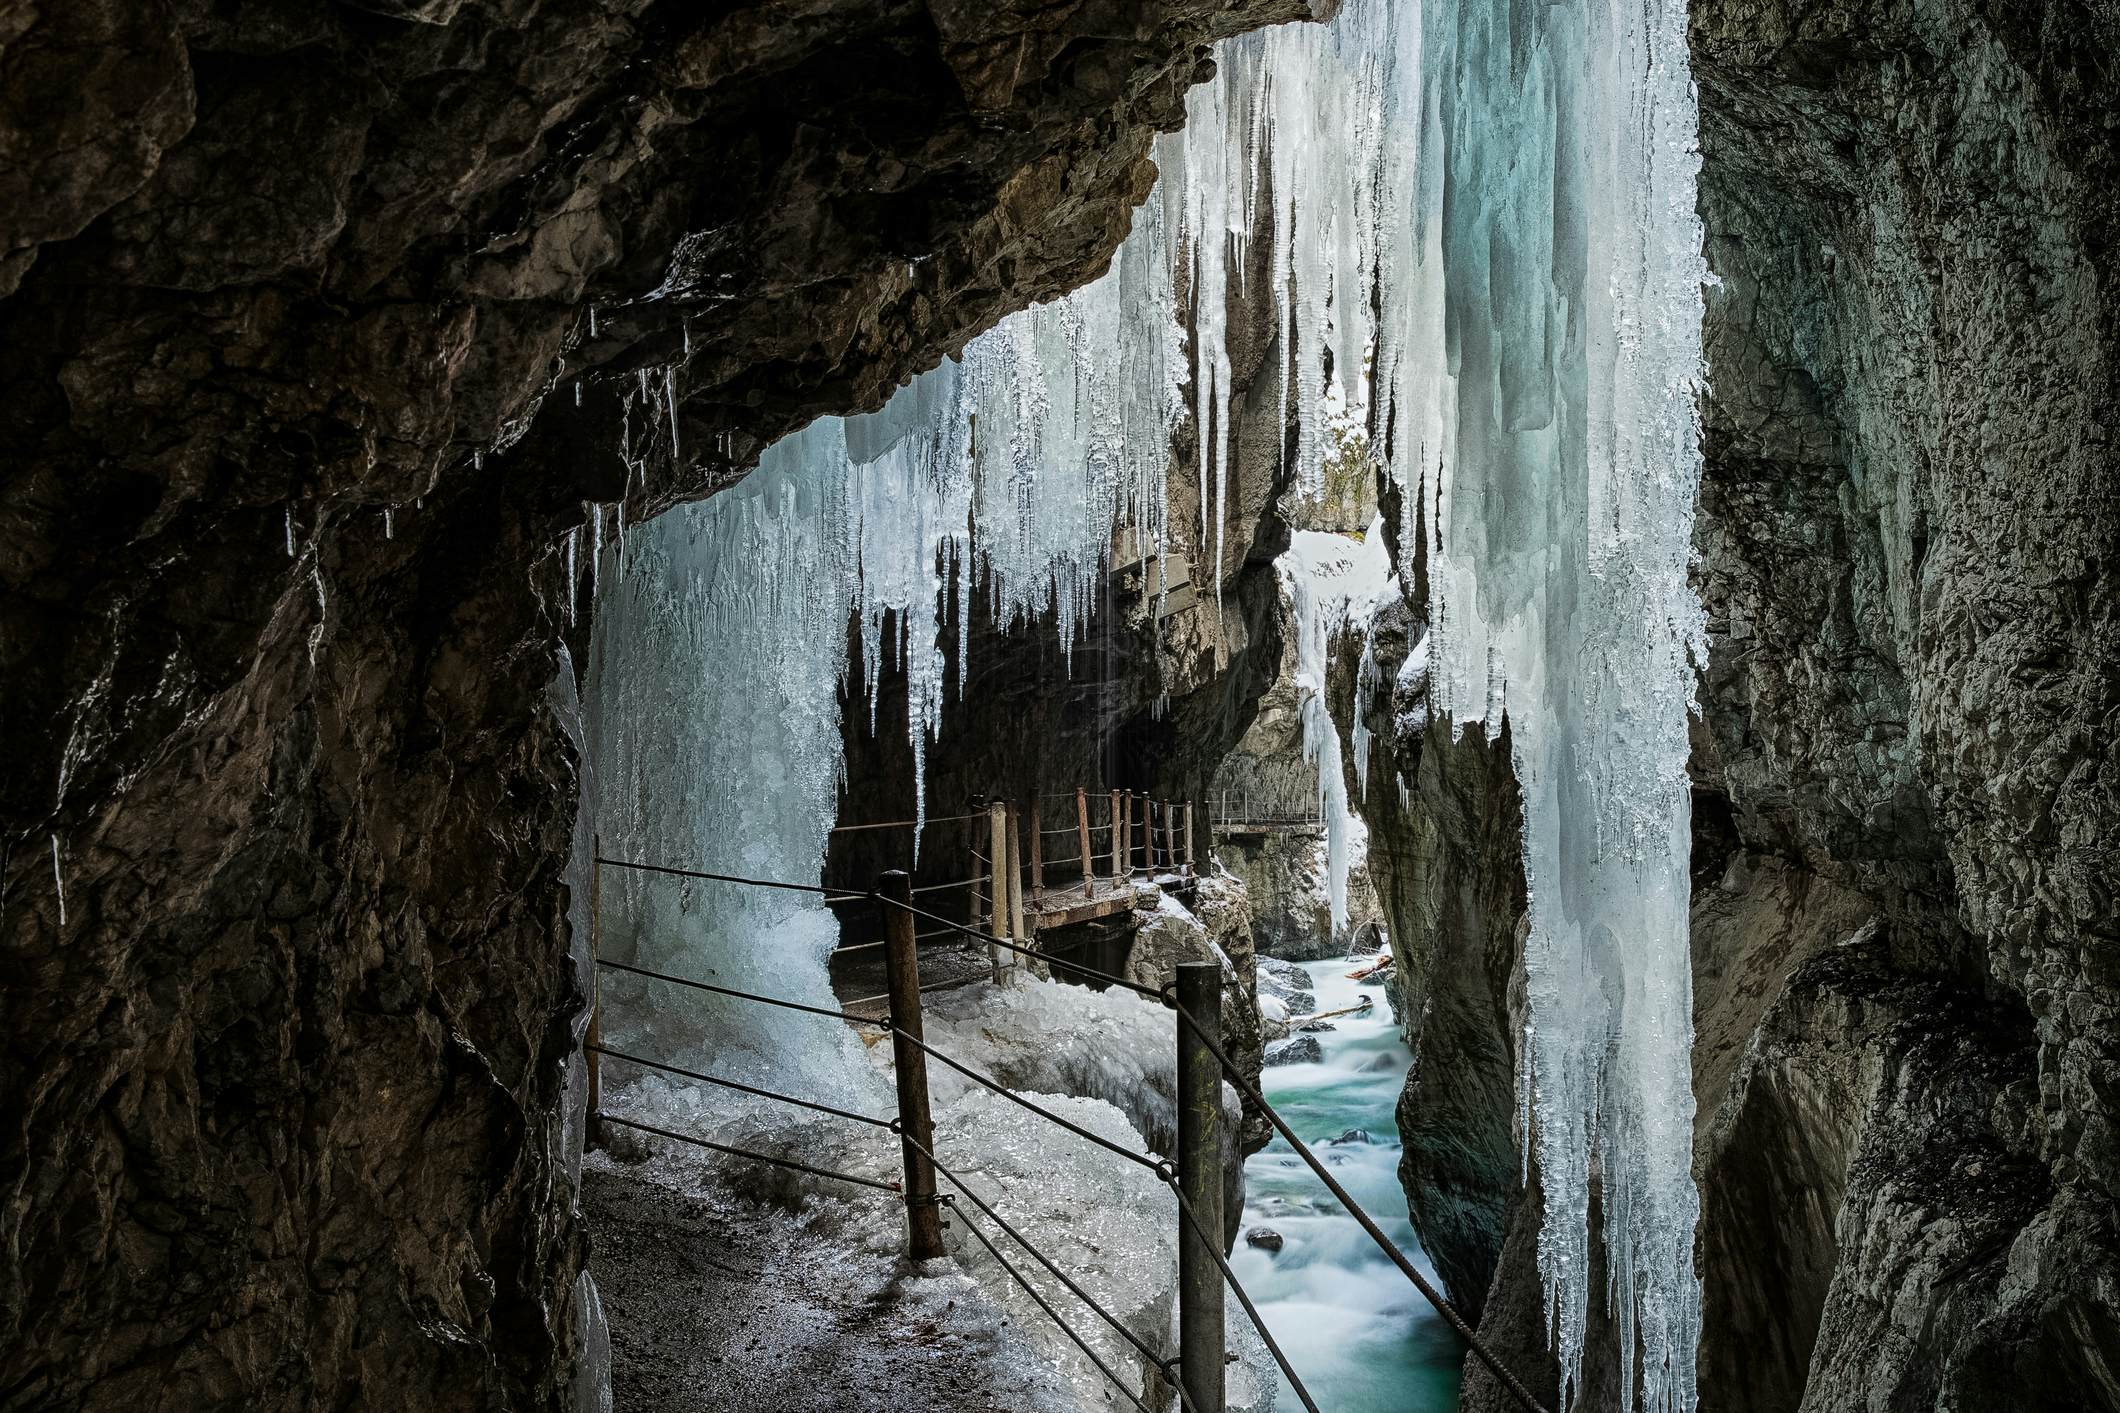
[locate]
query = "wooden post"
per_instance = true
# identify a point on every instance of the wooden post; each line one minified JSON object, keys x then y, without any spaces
{"x":592,"y":1131}
{"x":1188,"y":837}
{"x":1200,"y":1332}
{"x":1125,"y":847}
{"x":1170,"y":835}
{"x":1015,"y":874}
{"x":902,"y":959}
{"x":1118,"y":833}
{"x":997,"y":880}
{"x":1037,"y":851}
{"x":1089,"y":870}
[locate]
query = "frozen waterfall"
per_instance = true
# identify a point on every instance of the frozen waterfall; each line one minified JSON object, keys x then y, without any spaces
{"x":1540,"y":354}
{"x":722,"y":632}
{"x":1483,"y":251}
{"x":1488,"y":208}
{"x":1332,"y":583}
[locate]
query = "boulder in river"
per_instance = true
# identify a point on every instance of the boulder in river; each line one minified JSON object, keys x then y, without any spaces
{"x":1287,"y":983}
{"x":1303,"y":1050}
{"x":1265,"y":1238}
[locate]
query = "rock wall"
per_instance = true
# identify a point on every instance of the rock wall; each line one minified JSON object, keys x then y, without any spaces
{"x":1908,"y":531}
{"x":1903,"y":924}
{"x":320,"y":325}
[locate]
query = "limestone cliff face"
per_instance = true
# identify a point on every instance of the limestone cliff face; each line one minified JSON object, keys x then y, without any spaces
{"x":1907,"y":543}
{"x":1904,"y":927}
{"x":319,"y":326}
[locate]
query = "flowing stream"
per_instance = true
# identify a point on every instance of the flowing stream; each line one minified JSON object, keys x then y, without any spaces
{"x":1353,"y":1326}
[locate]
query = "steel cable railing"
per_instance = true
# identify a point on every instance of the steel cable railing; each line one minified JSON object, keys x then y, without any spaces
{"x":735,"y":1152}
{"x":1053,"y":1269}
{"x":739,"y":1086}
{"x":1163,"y":1170}
{"x":895,"y":1126}
{"x":1250,"y":1093}
{"x":1244,"y":1086}
{"x":1368,"y":1223}
{"x":1052,"y":1314}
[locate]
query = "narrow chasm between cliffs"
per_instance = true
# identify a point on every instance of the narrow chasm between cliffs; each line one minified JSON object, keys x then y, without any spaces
{"x":1204,"y":706}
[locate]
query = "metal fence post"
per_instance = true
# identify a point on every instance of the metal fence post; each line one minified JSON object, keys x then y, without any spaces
{"x":1200,"y":1333}
{"x":902,"y":960}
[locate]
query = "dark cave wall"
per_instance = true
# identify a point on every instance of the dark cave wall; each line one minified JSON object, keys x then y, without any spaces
{"x":284,"y":1082}
{"x":1909,"y":522}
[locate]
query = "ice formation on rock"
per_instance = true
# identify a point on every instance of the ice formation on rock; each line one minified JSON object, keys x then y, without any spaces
{"x":1484,"y":253}
{"x":1539,"y":353}
{"x":1516,"y":186}
{"x":1332,"y":583}
{"x":722,"y":632}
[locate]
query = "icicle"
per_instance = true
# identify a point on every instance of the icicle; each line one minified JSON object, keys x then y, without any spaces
{"x":58,"y":880}
{"x":677,"y":459}
{"x":592,"y":321}
{"x":577,"y":392}
{"x":574,"y":539}
{"x":388,"y":533}
{"x":596,"y":546}
{"x":290,"y":532}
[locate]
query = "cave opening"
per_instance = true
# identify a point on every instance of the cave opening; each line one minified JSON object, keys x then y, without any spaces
{"x":1554,"y":558}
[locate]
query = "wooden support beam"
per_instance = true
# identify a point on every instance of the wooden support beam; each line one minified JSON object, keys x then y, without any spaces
{"x":1200,"y":1298}
{"x":1118,"y":833}
{"x":997,"y":881}
{"x":902,"y":962}
{"x":1170,"y":835}
{"x":1089,"y":870}
{"x":1037,"y":850}
{"x":1015,"y":875}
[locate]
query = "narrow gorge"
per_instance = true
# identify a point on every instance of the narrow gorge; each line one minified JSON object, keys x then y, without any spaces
{"x":910,"y":704}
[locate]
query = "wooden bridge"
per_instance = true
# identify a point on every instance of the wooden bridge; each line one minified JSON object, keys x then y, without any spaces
{"x":1056,"y":861}
{"x":1236,"y":814}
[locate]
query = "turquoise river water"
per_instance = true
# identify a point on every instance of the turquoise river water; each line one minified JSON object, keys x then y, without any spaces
{"x":1354,"y":1327}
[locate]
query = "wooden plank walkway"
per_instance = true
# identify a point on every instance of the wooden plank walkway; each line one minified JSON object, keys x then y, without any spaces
{"x":1066,"y":906}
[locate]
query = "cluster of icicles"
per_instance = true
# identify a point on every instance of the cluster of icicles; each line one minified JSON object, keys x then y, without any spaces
{"x":1482,"y":249}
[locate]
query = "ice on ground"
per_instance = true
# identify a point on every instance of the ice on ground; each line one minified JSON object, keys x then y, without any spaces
{"x":1050,"y":1037}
